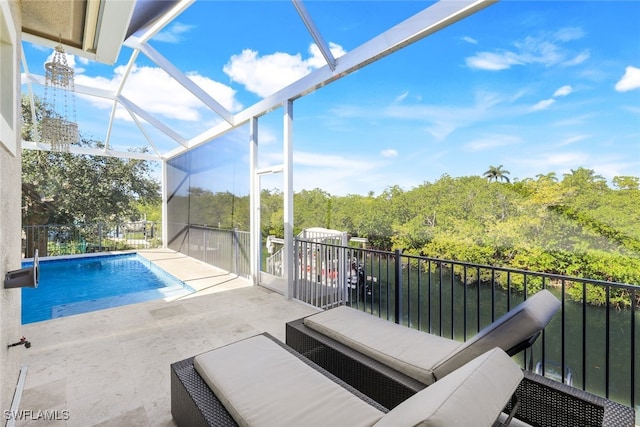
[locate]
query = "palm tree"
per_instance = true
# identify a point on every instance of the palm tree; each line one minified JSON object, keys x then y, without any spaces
{"x":497,"y":173}
{"x":550,"y":177}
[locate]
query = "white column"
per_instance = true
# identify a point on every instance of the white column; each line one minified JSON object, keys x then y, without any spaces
{"x":165,"y":198}
{"x":288,"y":199}
{"x":254,"y":203}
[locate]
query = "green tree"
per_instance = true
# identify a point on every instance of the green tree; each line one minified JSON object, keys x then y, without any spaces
{"x":626,"y":182}
{"x":549,"y":177}
{"x":312,"y":208}
{"x":584,"y":181}
{"x":497,"y":173}
{"x":64,"y":188}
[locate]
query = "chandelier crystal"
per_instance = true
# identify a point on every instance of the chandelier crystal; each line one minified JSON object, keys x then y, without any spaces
{"x":58,"y":126}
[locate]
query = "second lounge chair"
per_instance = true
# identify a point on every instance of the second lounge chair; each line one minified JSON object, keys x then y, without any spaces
{"x":422,"y":357}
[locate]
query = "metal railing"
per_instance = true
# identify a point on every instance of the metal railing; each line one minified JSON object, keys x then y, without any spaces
{"x":592,"y":343}
{"x":70,"y":239}
{"x":274,"y":262}
{"x":225,"y":249}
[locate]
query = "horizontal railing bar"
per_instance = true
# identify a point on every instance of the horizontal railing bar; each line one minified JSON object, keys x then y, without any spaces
{"x":558,"y":277}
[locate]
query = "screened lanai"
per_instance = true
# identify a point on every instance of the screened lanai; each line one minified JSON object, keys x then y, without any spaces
{"x":213,"y":140}
{"x":194,"y":100}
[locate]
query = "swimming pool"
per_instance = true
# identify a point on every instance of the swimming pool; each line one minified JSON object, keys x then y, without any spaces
{"x":82,"y":284}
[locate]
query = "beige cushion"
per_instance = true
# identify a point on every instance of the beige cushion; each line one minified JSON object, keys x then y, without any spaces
{"x":406,"y":350}
{"x":262,"y":384}
{"x":473,"y":395}
{"x":426,"y":357}
{"x":507,"y":331}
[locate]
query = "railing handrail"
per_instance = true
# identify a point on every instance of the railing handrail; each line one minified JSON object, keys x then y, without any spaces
{"x":86,"y":224}
{"x":100,"y":236}
{"x":554,"y":276}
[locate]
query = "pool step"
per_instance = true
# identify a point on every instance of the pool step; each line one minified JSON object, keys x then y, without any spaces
{"x":168,"y":293}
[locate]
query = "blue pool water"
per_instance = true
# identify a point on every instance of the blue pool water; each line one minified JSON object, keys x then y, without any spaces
{"x":79,"y":285}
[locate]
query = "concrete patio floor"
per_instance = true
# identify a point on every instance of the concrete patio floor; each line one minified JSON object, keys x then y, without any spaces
{"x":111,"y":367}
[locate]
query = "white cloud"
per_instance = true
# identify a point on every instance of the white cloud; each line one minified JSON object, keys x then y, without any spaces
{"x":401,"y":97}
{"x":546,"y":49}
{"x":572,"y":139}
{"x":265,"y":75}
{"x":389,"y":152}
{"x":329,"y":161}
{"x":555,"y":161}
{"x":630,"y":80}
{"x":338,"y":175}
{"x":568,"y":34}
{"x":563,"y":91}
{"x":492,"y":141}
{"x":173,"y":34}
{"x":610,"y":168}
{"x":578,"y":59}
{"x":566,"y":159}
{"x":493,"y":61}
{"x":439,"y":121}
{"x":543,"y":105}
{"x":157,"y":93}
{"x":470,"y":40}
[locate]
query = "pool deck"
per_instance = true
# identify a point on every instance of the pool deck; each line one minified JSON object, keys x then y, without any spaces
{"x":111,"y":367}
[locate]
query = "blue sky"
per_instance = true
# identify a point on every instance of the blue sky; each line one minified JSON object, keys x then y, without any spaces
{"x":537,"y":87}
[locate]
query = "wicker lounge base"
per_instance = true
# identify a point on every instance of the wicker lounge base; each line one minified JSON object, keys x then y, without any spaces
{"x":542,"y":402}
{"x":193,"y":404}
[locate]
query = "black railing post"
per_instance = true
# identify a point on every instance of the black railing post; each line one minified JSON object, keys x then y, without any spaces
{"x":398,"y":280}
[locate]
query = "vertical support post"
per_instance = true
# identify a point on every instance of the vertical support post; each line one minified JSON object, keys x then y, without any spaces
{"x":254,"y":204}
{"x":236,"y":251}
{"x":100,"y":236}
{"x":398,"y":290}
{"x":165,"y":200}
{"x":205,"y":240}
{"x":288,"y":199}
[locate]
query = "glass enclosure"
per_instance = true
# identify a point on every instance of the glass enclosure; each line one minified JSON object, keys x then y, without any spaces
{"x":208,"y":202}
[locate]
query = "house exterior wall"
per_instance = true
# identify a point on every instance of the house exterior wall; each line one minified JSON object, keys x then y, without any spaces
{"x":10,"y":199}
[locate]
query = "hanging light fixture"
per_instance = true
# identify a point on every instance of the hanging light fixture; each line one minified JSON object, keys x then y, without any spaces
{"x":59,"y":127}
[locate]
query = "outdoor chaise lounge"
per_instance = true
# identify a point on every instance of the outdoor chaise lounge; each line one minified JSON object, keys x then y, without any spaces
{"x":421,"y":357}
{"x":390,"y":363}
{"x":259,"y":381}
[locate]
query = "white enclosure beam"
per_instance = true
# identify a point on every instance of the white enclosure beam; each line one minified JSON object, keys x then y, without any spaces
{"x":289,"y":271}
{"x":255,"y":234}
{"x":186,"y":82}
{"x":97,"y":92}
{"x":165,"y":199}
{"x":152,"y":120}
{"x":144,"y":133}
{"x":315,"y":33}
{"x":114,"y":108}
{"x":75,"y":149}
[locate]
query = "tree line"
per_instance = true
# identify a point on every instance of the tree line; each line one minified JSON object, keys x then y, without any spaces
{"x":577,"y":225}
